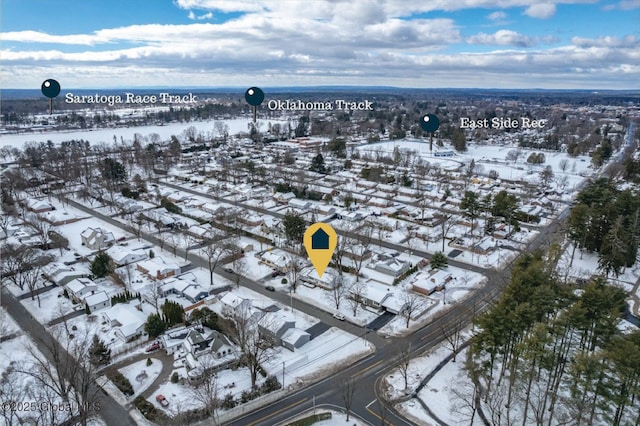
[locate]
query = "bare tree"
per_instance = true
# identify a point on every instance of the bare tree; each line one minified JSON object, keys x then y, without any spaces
{"x":446,"y":225}
{"x":355,"y":296}
{"x":295,"y":266}
{"x":452,"y":334}
{"x":466,"y":396}
{"x":206,"y":391}
{"x":338,"y":291}
{"x":213,"y":251}
{"x":413,"y":303}
{"x":65,"y":369}
{"x":403,"y":358}
{"x":31,"y":277}
{"x":347,"y":388}
{"x":12,"y":390}
{"x":239,"y":266}
{"x":256,"y":349}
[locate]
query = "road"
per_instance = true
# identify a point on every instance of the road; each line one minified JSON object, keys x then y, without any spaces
{"x":110,"y":411}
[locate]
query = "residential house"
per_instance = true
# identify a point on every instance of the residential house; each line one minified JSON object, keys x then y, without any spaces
{"x":39,"y":206}
{"x":427,"y":283}
{"x":80,"y":288}
{"x":309,"y":276}
{"x":274,"y":326}
{"x":233,"y":305}
{"x":127,"y":319}
{"x":96,"y":238}
{"x":97,"y":301}
{"x":184,"y":286}
{"x":371,"y":294}
{"x":122,"y":256}
{"x":157,"y":268}
{"x":389,"y":265}
{"x":294,"y":338}
{"x":276,"y":261}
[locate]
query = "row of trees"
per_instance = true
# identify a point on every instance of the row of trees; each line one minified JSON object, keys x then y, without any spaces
{"x":546,"y":354}
{"x":606,"y":220}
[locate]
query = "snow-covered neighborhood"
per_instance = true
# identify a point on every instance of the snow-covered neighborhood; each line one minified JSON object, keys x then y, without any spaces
{"x":163,"y":227}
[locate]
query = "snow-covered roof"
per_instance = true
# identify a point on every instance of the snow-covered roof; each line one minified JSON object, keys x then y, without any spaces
{"x":292,"y":335}
{"x":79,"y":284}
{"x":94,"y":299}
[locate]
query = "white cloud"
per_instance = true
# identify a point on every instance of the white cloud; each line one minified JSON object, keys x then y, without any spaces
{"x":502,"y":38}
{"x":541,"y":10}
{"x":624,"y":5}
{"x":497,"y":16}
{"x":315,"y":43}
{"x":607,"y":41}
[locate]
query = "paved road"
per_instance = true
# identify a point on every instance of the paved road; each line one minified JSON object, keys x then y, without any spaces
{"x":110,"y":411}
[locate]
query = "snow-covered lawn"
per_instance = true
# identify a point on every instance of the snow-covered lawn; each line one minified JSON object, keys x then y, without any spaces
{"x":52,"y":305}
{"x":142,"y":375}
{"x":457,"y":289}
{"x":324,"y":300}
{"x":443,"y":392}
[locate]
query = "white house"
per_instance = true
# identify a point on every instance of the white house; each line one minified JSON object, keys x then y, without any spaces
{"x":309,"y":276}
{"x":233,"y":305}
{"x":127,"y":319}
{"x":294,"y":338}
{"x":122,"y":256}
{"x":79,"y":288}
{"x":97,"y":301}
{"x":372,"y":294}
{"x":96,"y":238}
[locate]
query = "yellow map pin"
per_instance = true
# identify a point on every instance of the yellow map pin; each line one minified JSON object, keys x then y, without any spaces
{"x":320,"y":240}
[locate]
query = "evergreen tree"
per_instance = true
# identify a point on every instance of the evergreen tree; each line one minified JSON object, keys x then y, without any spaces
{"x":294,"y":227}
{"x":439,"y":260}
{"x":102,"y":265}
{"x":99,"y":353}
{"x":173,"y":313}
{"x":154,"y":326}
{"x":317,"y":164}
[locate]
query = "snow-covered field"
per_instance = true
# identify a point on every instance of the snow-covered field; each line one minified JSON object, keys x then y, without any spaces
{"x":236,"y":125}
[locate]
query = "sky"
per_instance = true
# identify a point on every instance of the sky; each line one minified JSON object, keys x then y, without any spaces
{"x":525,"y":44}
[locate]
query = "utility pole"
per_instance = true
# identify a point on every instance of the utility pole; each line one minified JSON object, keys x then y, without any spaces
{"x":282,"y":374}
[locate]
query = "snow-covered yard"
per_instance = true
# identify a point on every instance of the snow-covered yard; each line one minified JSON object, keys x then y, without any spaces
{"x":142,"y":375}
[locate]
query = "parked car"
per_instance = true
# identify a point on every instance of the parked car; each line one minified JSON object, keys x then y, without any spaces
{"x":276,"y":274}
{"x":228,"y":270}
{"x":338,"y":316}
{"x":162,"y":400}
{"x":270,"y":288}
{"x":155,"y":345}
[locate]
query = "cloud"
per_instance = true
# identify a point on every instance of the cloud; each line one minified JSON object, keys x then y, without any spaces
{"x":315,"y":43}
{"x":193,"y":16}
{"x":40,"y":37}
{"x":541,"y":10}
{"x":508,"y":38}
{"x":607,"y":41}
{"x":624,"y":5}
{"x":497,"y":16}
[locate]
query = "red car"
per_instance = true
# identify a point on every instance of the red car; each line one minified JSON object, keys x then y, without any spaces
{"x":162,"y":400}
{"x":153,"y":347}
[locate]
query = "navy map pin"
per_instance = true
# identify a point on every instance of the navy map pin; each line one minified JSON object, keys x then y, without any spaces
{"x":254,"y":97}
{"x":50,"y":88}
{"x":430,"y":123}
